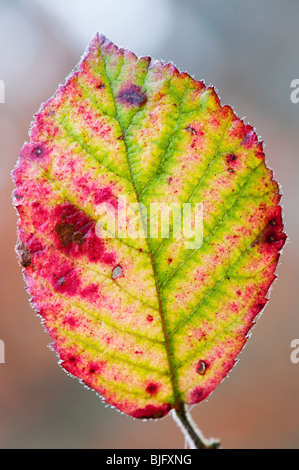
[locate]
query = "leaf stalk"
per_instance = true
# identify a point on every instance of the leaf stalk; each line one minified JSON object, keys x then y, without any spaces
{"x":193,"y":436}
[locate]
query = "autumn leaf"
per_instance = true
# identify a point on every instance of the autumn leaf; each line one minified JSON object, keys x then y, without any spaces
{"x":149,"y":322}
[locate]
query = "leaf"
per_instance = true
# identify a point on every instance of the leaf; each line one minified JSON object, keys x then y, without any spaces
{"x":148,"y":322}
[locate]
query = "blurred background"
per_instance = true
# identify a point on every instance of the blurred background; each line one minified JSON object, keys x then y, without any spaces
{"x":249,"y":51}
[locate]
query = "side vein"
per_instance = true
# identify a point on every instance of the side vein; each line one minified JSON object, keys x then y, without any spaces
{"x":175,"y":329}
{"x":238,"y":197}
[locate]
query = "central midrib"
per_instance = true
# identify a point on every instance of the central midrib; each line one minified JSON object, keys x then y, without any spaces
{"x":177,"y":401}
{"x":160,"y":304}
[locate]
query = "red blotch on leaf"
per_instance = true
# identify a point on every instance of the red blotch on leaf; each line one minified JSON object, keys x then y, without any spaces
{"x":152,"y":388}
{"x":91,"y":292}
{"x":273,"y":236}
{"x":105,"y":195}
{"x":71,"y":362}
{"x":65,"y":280}
{"x":71,"y":321}
{"x":76,"y":235}
{"x":198,"y":394}
{"x":250,"y":138}
{"x":96,"y":367}
{"x":152,"y":412}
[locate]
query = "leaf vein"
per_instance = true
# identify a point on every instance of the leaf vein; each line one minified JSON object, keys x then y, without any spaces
{"x":213,"y":230}
{"x":175,"y":329}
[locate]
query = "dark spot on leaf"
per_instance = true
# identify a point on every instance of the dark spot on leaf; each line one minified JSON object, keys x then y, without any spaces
{"x":17,"y":194}
{"x":252,"y":245}
{"x":260,"y":306}
{"x":68,"y":233}
{"x":117,"y":272}
{"x":95,"y":367}
{"x":231,"y":170}
{"x":100,"y":85}
{"x":132,"y":95}
{"x":201,"y":367}
{"x":271,"y":237}
{"x":231,"y":158}
{"x":150,"y":318}
{"x":70,"y":361}
{"x":37,"y":151}
{"x":34,"y":151}
{"x":170,"y":260}
{"x":256,"y":308}
{"x":152,"y":388}
{"x":61,"y":280}
{"x":191,"y":129}
{"x":24,"y":255}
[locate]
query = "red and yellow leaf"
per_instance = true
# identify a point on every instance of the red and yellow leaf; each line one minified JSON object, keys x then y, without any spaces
{"x":147,"y":322}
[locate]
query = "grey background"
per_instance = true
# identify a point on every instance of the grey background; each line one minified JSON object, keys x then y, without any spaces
{"x":249,"y":51}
